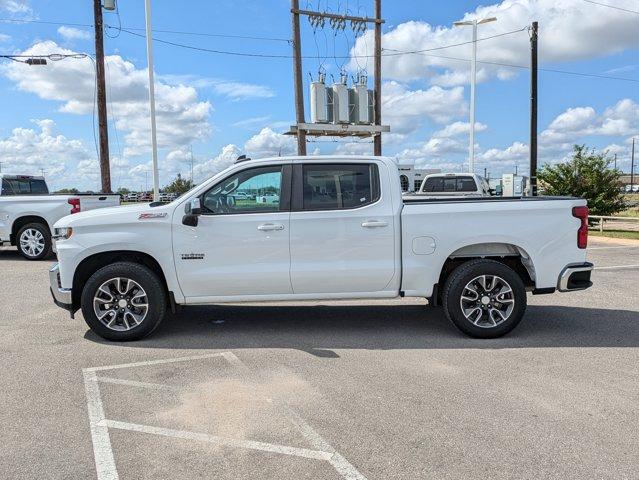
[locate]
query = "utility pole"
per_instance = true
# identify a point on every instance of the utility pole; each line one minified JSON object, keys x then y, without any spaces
{"x":105,"y":168}
{"x":377,"y":106}
{"x":615,"y":161}
{"x":297,"y":77}
{"x":149,"y":58}
{"x":485,"y":170}
{"x":533,"y":108}
{"x":632,"y":166}
{"x":516,"y":166}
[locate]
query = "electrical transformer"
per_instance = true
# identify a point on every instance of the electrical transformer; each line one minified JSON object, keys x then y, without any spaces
{"x":360,"y":102}
{"x":340,"y":102}
{"x":319,"y":103}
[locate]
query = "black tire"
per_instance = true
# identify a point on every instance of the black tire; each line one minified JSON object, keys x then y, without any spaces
{"x":155,"y":298}
{"x":46,"y":237}
{"x":456,"y":284}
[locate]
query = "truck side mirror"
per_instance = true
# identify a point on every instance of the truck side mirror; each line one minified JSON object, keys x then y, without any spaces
{"x":192,"y":210}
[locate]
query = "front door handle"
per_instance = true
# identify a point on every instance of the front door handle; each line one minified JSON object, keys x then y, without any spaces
{"x":374,"y":224}
{"x":267,"y":227}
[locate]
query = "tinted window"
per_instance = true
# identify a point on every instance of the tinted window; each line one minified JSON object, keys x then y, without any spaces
{"x":466,"y":184}
{"x":332,"y":187}
{"x":250,"y":191}
{"x":39,"y":187}
{"x":450,"y":184}
{"x":434,"y":184}
{"x":23,"y":186}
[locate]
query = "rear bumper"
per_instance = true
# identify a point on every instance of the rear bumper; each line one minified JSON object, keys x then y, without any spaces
{"x":61,"y":296}
{"x":575,"y":277}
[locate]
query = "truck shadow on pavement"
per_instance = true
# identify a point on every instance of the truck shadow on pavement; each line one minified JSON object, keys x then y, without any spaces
{"x":319,"y":330}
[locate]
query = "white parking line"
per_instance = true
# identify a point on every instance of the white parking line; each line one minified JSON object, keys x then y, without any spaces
{"x":616,"y":267}
{"x":153,"y":362}
{"x":103,"y":452}
{"x":133,"y":383}
{"x":229,"y":442}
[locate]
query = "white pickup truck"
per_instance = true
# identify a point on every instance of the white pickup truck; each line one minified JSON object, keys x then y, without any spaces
{"x":339,"y":229}
{"x":28,"y":212}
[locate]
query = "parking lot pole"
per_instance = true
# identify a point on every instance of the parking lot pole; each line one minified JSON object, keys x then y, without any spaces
{"x":105,"y":168}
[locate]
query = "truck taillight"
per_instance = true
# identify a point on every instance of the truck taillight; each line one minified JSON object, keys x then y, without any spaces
{"x":582,"y":234}
{"x":75,"y":205}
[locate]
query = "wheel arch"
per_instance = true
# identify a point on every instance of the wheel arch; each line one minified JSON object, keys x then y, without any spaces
{"x":508,"y":254}
{"x":20,"y":222}
{"x":93,"y":263}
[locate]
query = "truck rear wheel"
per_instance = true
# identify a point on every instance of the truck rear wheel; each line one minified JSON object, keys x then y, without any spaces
{"x":34,"y":241}
{"x":484,"y":298}
{"x":123,"y":301}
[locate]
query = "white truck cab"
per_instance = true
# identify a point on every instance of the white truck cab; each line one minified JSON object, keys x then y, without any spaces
{"x":333,"y":227}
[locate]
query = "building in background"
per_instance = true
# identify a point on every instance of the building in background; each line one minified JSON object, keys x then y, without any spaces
{"x":411,"y":177}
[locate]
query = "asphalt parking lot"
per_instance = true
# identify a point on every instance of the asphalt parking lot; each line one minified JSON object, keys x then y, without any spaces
{"x":325,"y":390}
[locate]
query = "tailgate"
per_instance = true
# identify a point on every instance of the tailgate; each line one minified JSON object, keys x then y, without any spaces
{"x":92,"y":202}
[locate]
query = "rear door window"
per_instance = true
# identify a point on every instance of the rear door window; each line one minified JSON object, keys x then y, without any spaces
{"x":339,"y":186}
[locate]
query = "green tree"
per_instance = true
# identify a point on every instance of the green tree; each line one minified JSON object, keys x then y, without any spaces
{"x":69,"y":191}
{"x":123,"y":191}
{"x":179,"y":185}
{"x":588,"y":175}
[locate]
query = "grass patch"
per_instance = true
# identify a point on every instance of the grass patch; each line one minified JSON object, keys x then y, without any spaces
{"x":614,"y":234}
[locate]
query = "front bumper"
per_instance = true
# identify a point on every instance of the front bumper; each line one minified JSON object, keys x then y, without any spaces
{"x":61,"y":296}
{"x":575,"y":277}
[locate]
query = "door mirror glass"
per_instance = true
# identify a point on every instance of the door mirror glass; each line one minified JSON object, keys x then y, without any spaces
{"x":193,"y":207}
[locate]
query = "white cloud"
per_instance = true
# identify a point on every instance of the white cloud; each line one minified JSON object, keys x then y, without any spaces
{"x":181,"y":117}
{"x":268,"y":143}
{"x":252,"y":122}
{"x":28,"y":150}
{"x":71,"y":33}
{"x":4,"y":37}
{"x":224,"y":159}
{"x":512,"y":154}
{"x":459,"y":128}
{"x":405,"y":110}
{"x":264,"y":144}
{"x":15,"y":6}
{"x":568,"y":30}
{"x":227,"y":88}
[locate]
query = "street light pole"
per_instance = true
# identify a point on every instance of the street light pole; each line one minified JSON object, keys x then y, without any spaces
{"x":473,"y":86}
{"x":149,"y":57}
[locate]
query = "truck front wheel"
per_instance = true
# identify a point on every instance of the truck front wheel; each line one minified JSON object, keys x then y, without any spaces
{"x":484,"y":298}
{"x":123,"y":301}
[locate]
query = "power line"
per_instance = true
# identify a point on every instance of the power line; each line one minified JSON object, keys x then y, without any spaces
{"x":612,"y":6}
{"x":270,"y":55}
{"x":551,"y":70}
{"x":173,"y":32}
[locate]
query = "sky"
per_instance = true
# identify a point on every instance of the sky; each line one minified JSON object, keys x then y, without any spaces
{"x":221,"y":105}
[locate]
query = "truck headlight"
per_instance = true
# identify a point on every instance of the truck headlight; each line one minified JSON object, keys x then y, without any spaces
{"x":62,"y":233}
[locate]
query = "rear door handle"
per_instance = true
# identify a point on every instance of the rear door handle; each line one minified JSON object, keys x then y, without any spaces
{"x":267,"y":227}
{"x":374,"y":224}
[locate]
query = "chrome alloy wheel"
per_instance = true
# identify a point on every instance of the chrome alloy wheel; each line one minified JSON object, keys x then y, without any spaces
{"x":487,"y":301}
{"x":32,"y":242}
{"x":120,"y":304}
